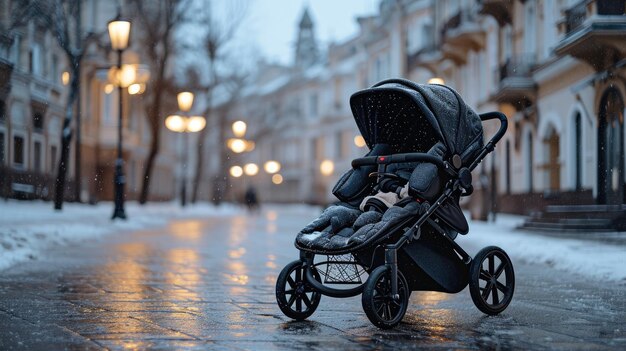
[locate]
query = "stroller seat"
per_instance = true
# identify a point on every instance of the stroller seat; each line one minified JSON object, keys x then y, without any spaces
{"x":394,"y":119}
{"x":347,"y":225}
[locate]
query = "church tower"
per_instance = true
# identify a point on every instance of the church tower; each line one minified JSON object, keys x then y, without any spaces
{"x":307,"y":52}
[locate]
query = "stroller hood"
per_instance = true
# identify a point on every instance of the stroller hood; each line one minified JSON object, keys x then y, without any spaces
{"x":412,"y":117}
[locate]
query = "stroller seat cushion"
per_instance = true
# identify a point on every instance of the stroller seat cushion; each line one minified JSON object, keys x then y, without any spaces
{"x":366,"y":227}
{"x":390,"y":218}
{"x":355,"y":184}
{"x":337,"y":216}
{"x":425,"y":182}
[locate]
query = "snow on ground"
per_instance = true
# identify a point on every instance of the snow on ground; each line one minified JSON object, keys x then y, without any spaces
{"x":593,"y":259}
{"x":28,"y":228}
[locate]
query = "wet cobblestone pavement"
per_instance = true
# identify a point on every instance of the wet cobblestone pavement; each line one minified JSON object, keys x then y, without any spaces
{"x":209,"y":284}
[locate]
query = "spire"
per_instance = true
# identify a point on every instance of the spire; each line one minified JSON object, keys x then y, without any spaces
{"x":307,"y":52}
{"x":306,"y":21}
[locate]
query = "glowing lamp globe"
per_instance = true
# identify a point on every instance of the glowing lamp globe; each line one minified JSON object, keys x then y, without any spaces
{"x":185,"y":101}
{"x":327,"y":167}
{"x":119,"y":32}
{"x":271,"y":167}
{"x":195,"y":123}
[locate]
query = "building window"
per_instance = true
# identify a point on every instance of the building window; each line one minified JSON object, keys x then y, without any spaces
{"x":529,"y":162}
{"x":36,"y":60}
{"x":37,"y":156}
{"x":3,"y":108}
{"x":508,"y":167}
{"x":578,"y":150}
{"x":338,"y":145}
{"x":2,"y":148}
{"x":54,"y":70}
{"x":313,"y":105}
{"x":338,"y":93}
{"x":53,"y":158}
{"x":38,"y":121}
{"x":18,"y":150}
{"x":17,"y":44}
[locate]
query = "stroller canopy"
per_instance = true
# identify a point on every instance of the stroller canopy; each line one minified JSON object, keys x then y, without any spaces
{"x":413,"y":117}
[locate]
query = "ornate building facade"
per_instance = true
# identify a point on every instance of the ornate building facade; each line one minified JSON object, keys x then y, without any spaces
{"x":34,"y":77}
{"x":556,"y":68}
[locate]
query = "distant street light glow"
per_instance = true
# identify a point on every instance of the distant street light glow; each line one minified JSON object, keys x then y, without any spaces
{"x":195,"y":123}
{"x":277,"y":179}
{"x":108,"y":89}
{"x":185,"y":101}
{"x":239,"y":129}
{"x":176,"y":123}
{"x":251,"y":169}
{"x":237,"y":145}
{"x":250,"y":145}
{"x":271,"y":167}
{"x":359,"y":141}
{"x":436,"y":80}
{"x":134,"y":89}
{"x":65,"y":78}
{"x":236,"y":171}
{"x":327,"y":167}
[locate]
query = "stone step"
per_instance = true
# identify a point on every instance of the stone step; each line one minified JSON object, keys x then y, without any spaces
{"x":573,"y":221}
{"x":567,"y":227}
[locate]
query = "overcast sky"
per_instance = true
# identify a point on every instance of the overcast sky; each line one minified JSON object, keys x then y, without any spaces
{"x":272,"y":24}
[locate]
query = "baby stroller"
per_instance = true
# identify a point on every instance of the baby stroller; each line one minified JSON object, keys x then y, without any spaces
{"x":394,"y":229}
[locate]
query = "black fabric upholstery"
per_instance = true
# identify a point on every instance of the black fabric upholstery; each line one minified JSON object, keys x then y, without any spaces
{"x":452,"y":215}
{"x":355,"y":184}
{"x":427,"y":180}
{"x":411,"y":117}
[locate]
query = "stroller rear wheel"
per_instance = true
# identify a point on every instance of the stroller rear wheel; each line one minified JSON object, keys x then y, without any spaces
{"x":492,"y":280}
{"x":380,"y":307}
{"x":296,"y":299}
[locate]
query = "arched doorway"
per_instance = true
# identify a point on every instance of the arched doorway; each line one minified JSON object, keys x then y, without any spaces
{"x":552,"y":167}
{"x":611,"y":148}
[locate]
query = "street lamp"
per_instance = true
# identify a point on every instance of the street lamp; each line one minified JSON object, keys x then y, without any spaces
{"x":271,"y":167}
{"x":119,"y":32}
{"x":185,"y":124}
{"x":359,"y":141}
{"x":327,"y":167}
{"x":239,"y":128}
{"x":436,"y":80}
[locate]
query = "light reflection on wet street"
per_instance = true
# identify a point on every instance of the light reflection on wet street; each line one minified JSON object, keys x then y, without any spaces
{"x":209,"y":284}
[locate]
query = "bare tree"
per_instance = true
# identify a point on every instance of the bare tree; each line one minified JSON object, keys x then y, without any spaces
{"x":63,"y":18}
{"x":217,"y":37}
{"x":158,"y":20}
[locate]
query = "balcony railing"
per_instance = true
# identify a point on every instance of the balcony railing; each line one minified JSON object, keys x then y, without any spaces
{"x":575,"y":16}
{"x":501,"y":10}
{"x":514,"y":82}
{"x":518,"y":66}
{"x":593,"y":30}
{"x":6,"y":68}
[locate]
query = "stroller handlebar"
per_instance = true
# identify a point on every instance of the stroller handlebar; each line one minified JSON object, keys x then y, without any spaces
{"x":504,"y":123}
{"x":397,"y":158}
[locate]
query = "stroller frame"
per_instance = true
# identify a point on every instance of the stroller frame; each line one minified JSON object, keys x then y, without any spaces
{"x":460,"y":181}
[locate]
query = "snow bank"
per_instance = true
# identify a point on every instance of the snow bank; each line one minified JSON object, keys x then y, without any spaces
{"x":28,"y":228}
{"x":589,"y":258}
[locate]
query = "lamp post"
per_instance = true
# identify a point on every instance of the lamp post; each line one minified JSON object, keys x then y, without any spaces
{"x":184,"y":124}
{"x":119,"y":31}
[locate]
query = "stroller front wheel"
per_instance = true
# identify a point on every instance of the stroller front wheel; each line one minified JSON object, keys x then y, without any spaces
{"x":296,"y":298}
{"x":380,"y":307}
{"x":492,"y":280}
